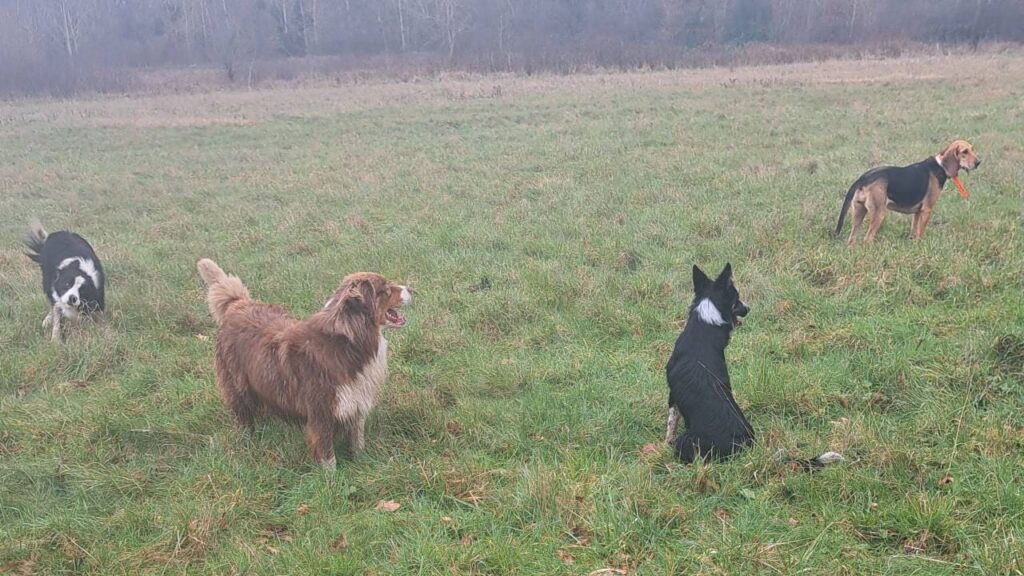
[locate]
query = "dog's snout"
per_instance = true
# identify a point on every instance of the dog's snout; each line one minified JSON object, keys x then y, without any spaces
{"x":742,"y":309}
{"x":977,"y":162}
{"x":73,"y":300}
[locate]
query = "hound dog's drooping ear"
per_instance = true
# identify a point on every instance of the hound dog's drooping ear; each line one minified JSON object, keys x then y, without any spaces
{"x":951,"y":160}
{"x":700,"y":280}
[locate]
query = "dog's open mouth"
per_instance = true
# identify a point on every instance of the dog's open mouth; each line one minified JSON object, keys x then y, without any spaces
{"x":394,"y":318}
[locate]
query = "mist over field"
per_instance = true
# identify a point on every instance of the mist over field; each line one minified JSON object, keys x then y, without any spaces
{"x":63,"y":47}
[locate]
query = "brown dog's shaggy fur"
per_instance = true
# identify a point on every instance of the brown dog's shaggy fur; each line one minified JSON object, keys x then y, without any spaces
{"x":323,"y":371}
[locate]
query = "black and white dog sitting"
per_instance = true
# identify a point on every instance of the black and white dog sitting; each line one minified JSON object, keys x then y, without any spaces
{"x":72,"y":275}
{"x":698,"y":379}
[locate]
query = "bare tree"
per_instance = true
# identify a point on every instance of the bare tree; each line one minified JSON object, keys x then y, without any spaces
{"x":55,"y":44}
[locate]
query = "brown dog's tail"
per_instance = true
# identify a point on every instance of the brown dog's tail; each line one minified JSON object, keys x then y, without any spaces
{"x":223,"y":290}
{"x":846,"y":206}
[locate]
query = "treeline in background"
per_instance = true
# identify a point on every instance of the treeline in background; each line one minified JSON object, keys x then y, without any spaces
{"x":64,"y":46}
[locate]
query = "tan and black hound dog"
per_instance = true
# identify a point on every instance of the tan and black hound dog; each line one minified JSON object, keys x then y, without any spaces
{"x":910,"y":189}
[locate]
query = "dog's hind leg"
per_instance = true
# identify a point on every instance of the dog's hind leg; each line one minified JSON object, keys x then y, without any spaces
{"x":859,"y":210}
{"x":877,"y":213}
{"x":245,"y":407}
{"x":236,"y":397}
{"x":673,"y":421}
{"x":687,"y":447}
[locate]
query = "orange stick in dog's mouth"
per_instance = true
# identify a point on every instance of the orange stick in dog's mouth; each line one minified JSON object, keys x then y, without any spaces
{"x":960,"y":187}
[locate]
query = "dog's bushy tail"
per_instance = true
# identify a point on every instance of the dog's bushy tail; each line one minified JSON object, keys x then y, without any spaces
{"x":223,"y":290}
{"x":35,"y":239}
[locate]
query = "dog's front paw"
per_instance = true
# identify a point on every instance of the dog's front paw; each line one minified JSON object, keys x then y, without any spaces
{"x":330,"y":465}
{"x":48,"y":320}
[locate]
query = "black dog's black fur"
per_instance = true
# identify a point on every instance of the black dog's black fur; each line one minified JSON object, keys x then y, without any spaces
{"x":907,"y":185}
{"x":698,"y":379}
{"x":50,"y":250}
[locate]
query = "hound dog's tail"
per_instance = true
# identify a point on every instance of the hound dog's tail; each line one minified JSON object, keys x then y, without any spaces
{"x":35,"y":239}
{"x":223,"y":290}
{"x":846,"y":205}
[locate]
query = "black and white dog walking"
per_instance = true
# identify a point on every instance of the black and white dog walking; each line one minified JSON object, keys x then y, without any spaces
{"x":72,"y":275}
{"x":698,"y":379}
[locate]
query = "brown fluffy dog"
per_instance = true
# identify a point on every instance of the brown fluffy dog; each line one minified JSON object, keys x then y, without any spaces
{"x":323,"y":371}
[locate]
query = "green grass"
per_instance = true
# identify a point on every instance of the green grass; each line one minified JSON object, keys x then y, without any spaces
{"x":512,"y":426}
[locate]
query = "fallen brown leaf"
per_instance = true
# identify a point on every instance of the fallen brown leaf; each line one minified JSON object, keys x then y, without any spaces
{"x":946,"y":480}
{"x":582,"y":535}
{"x":24,"y":567}
{"x":917,"y":545}
{"x":566,"y":557}
{"x":339,"y":544}
{"x":303,"y":510}
{"x":387,"y":506}
{"x":278,"y":531}
{"x":706,"y":484}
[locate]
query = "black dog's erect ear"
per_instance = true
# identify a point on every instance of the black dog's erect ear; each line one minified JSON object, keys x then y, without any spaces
{"x":725,"y":277}
{"x":700,"y":280}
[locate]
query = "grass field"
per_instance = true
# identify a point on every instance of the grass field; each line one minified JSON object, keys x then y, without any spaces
{"x":548,"y":225}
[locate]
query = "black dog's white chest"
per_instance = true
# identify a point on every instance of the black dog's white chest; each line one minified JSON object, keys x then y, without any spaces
{"x":73,"y":278}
